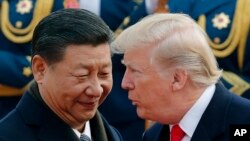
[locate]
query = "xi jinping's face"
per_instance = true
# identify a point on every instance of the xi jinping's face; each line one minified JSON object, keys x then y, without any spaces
{"x":74,"y":87}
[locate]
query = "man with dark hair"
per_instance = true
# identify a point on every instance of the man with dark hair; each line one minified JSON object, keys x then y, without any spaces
{"x":72,"y":68}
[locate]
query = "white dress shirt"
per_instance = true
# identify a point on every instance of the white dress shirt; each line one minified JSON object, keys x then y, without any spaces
{"x":191,"y":119}
{"x":86,"y":131}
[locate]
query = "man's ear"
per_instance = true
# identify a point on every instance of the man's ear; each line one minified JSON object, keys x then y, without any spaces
{"x":180,"y":79}
{"x":39,"y":66}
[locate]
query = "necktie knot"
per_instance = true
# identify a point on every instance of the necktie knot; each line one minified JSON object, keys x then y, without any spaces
{"x":84,"y":137}
{"x":177,"y":133}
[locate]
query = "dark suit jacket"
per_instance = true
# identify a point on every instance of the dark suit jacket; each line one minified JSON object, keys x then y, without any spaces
{"x":223,"y":110}
{"x":32,"y":120}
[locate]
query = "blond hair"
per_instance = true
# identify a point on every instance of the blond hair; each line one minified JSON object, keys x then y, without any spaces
{"x":177,"y":40}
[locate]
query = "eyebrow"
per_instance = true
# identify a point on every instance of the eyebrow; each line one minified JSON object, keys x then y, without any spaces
{"x":89,"y":65}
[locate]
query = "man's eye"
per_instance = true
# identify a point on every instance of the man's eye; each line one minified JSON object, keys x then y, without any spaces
{"x":82,"y":75}
{"x":134,"y":70}
{"x":104,"y":74}
{"x":81,"y":78}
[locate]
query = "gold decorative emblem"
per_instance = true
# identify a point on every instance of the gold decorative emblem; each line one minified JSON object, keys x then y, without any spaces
{"x":221,"y":21}
{"x":217,"y":40}
{"x":126,"y":21}
{"x":42,"y":8}
{"x":27,"y":71}
{"x":24,"y":6}
{"x":19,"y":24}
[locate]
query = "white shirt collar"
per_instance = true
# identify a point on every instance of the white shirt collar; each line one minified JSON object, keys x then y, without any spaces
{"x":86,"y":130}
{"x":191,"y":119}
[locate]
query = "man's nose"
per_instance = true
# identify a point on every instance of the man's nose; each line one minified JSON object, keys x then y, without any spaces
{"x":127,"y":82}
{"x":95,"y":88}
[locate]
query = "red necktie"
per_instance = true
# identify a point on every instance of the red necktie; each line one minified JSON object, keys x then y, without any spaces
{"x":176,"y":133}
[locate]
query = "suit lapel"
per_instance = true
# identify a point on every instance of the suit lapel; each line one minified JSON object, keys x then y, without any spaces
{"x":164,"y":134}
{"x":212,"y":124}
{"x":201,"y":134}
{"x":157,"y":132}
{"x":47,"y":126}
{"x":53,"y":129}
{"x":97,"y":128}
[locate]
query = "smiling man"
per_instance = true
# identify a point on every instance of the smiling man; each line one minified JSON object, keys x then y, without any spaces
{"x":71,"y":63}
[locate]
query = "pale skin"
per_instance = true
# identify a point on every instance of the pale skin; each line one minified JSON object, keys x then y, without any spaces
{"x":163,"y":96}
{"x":74,"y":87}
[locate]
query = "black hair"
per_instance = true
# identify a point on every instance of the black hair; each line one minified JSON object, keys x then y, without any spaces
{"x":65,"y":27}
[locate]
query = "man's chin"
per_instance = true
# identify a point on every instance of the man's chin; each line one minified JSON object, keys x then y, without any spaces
{"x":140,"y":113}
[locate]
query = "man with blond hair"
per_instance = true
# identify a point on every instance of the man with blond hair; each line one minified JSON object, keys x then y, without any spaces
{"x":173,"y":78}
